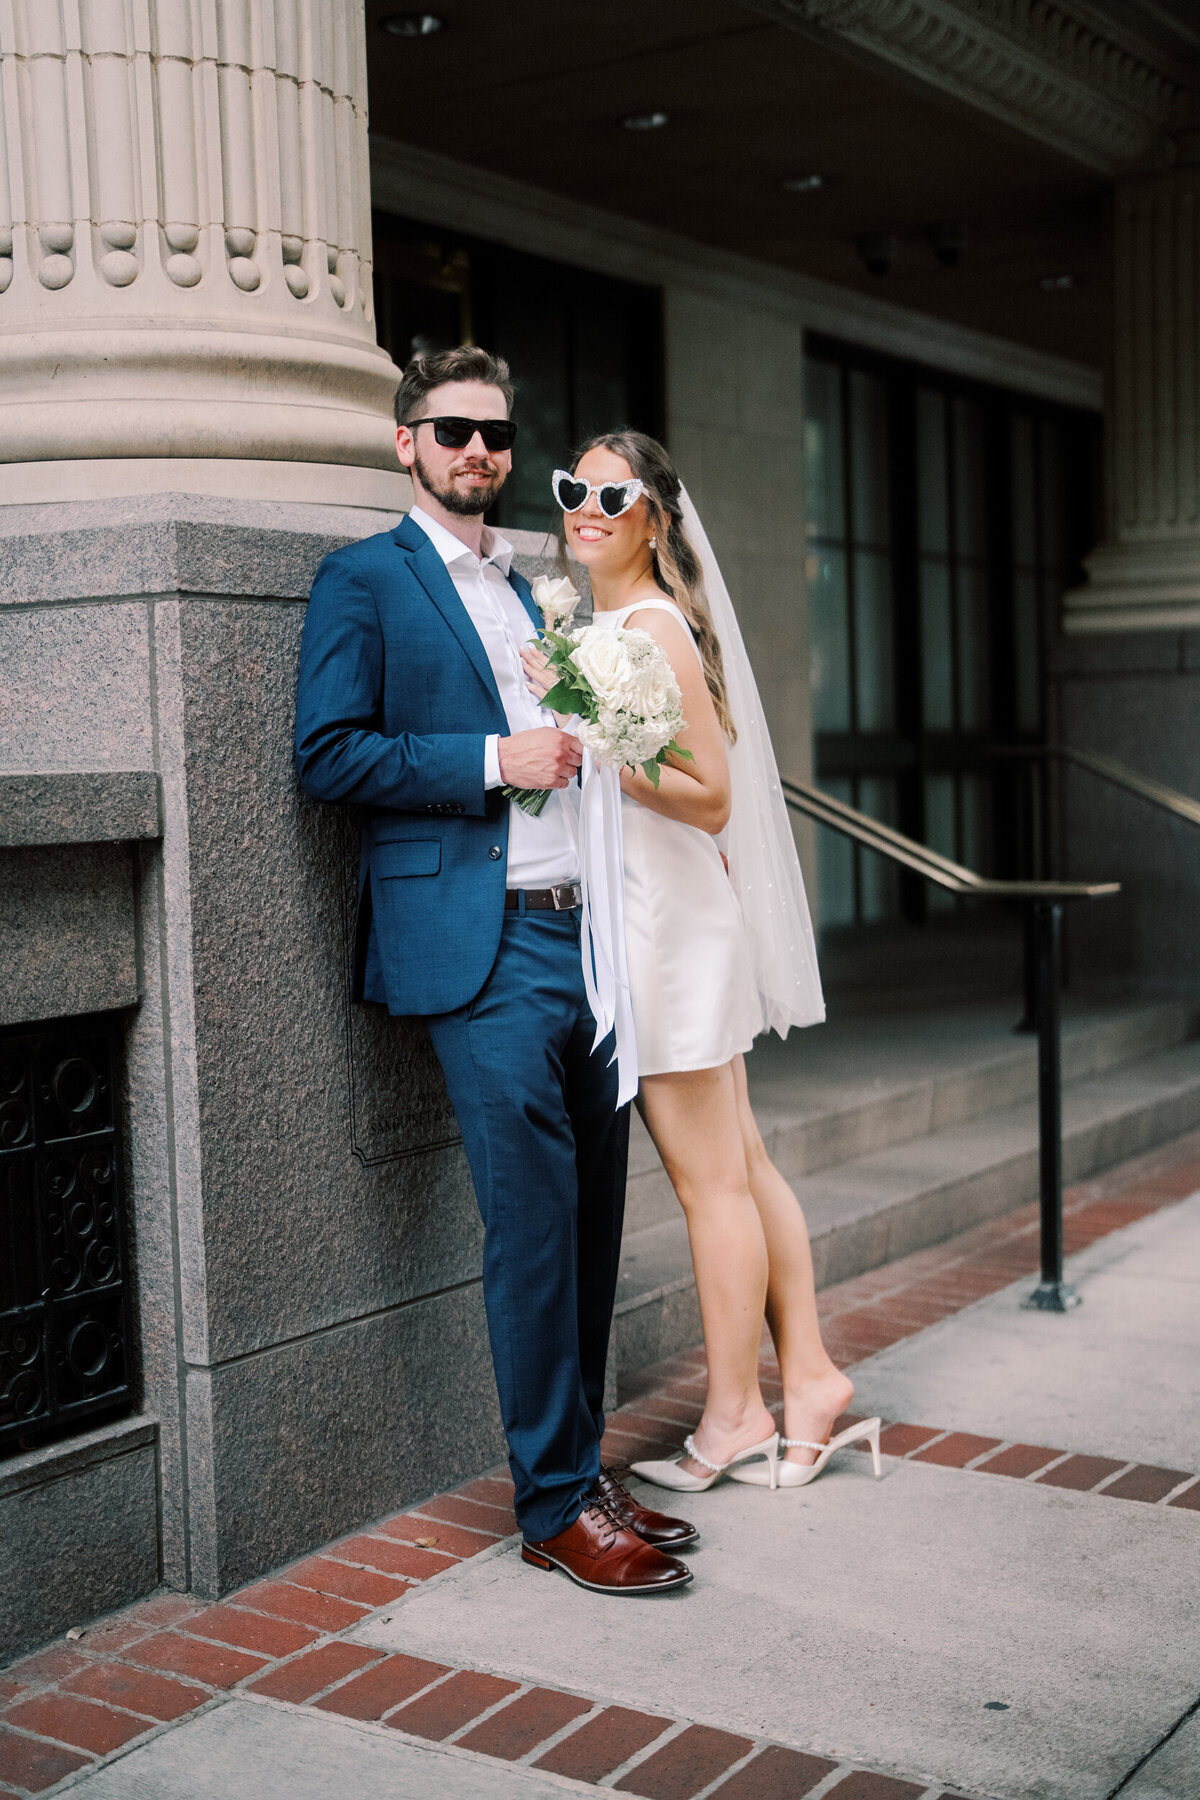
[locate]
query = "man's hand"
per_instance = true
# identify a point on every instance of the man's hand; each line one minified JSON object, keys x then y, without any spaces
{"x":544,"y":758}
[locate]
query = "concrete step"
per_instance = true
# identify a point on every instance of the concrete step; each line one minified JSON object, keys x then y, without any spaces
{"x":918,"y":1189}
{"x":866,"y":1080}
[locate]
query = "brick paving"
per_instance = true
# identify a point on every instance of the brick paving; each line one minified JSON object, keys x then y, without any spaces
{"x":71,"y":1706}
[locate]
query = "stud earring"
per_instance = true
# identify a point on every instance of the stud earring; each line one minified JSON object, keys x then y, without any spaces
{"x":654,"y":543}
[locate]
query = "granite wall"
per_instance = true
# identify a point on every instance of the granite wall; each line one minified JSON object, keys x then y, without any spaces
{"x":1134,"y":696}
{"x":306,"y":1239}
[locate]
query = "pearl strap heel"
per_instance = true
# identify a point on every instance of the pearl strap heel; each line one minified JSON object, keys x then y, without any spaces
{"x":789,"y":1474}
{"x":668,"y":1474}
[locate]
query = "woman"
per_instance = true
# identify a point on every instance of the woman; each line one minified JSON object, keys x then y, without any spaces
{"x":713,"y":959}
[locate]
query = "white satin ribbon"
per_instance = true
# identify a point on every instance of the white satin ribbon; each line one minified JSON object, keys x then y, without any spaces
{"x":597,"y":822}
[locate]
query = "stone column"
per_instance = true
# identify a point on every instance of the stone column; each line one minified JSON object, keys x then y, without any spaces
{"x":1125,"y":676}
{"x":1147,"y":573}
{"x":185,"y":256}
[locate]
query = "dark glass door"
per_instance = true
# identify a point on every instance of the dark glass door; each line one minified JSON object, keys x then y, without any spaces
{"x":945,"y":520}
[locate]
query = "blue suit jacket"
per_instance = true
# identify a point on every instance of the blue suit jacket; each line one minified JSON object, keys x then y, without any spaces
{"x":395,"y":700}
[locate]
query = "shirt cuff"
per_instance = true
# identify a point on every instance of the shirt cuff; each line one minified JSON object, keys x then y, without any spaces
{"x":492,"y":777}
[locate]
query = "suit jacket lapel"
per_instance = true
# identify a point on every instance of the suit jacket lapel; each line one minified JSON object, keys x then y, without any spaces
{"x":524,"y":593}
{"x":433,"y":575}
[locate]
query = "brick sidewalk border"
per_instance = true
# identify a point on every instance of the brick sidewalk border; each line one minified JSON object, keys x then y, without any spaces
{"x":75,"y":1704}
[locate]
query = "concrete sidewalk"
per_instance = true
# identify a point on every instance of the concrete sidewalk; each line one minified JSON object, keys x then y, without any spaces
{"x":1009,"y":1637}
{"x":1012,"y":1613}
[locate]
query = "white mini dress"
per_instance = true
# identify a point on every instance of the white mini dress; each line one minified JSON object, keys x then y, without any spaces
{"x":690,"y":975}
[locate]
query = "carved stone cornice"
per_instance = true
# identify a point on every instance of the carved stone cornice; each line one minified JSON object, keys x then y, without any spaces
{"x":1029,"y":63}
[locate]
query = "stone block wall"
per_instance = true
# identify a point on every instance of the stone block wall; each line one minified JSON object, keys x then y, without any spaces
{"x":307,"y":1244}
{"x":1134,"y":696}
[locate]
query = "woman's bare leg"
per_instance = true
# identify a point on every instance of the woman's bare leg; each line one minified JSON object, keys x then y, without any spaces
{"x":693,"y":1119}
{"x":815,"y":1390}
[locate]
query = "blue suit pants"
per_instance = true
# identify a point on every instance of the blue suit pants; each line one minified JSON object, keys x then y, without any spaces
{"x":547,"y":1149}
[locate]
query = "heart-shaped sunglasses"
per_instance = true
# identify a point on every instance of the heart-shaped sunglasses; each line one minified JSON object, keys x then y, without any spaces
{"x":615,"y":497}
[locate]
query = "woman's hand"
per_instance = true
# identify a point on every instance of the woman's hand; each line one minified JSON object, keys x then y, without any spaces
{"x":539,"y":676}
{"x":537,"y":670}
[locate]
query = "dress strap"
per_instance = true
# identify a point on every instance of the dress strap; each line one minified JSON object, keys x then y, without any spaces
{"x":666,"y":606}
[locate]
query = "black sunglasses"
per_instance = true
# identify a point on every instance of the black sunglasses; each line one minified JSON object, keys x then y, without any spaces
{"x":456,"y":434}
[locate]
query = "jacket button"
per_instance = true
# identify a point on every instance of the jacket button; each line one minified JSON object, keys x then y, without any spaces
{"x":494,"y":852}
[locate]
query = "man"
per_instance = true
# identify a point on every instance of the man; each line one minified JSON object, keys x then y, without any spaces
{"x":413,"y":705}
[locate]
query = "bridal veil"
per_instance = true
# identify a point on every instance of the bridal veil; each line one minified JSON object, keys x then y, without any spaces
{"x":763,"y":865}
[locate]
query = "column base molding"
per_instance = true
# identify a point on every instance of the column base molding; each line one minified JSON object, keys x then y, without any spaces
{"x":1138,"y":587}
{"x":226,"y":477}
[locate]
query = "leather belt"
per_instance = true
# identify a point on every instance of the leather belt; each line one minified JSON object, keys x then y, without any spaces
{"x":563,"y":898}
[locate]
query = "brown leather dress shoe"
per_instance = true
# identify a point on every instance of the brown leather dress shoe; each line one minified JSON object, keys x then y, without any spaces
{"x":598,"y":1552}
{"x":656,"y":1528}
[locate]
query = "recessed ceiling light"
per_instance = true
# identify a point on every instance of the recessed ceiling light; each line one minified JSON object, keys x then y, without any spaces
{"x":411,"y":24}
{"x":651,"y":121}
{"x":1056,"y":284}
{"x":802,"y":184}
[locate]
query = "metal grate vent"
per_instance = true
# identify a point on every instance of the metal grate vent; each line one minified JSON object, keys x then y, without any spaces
{"x":64,"y":1350}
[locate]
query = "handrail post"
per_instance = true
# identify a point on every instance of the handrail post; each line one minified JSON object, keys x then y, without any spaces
{"x":1051,"y":1294}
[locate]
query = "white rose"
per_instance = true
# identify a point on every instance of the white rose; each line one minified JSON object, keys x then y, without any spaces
{"x":555,"y":600}
{"x":655,"y":691}
{"x":603,"y":661}
{"x":655,"y":687}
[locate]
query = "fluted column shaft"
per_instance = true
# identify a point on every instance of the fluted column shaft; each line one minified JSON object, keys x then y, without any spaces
{"x":1147,"y":573}
{"x":185,"y":258}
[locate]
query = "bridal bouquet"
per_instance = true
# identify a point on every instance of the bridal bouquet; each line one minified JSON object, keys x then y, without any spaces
{"x":618,"y":685}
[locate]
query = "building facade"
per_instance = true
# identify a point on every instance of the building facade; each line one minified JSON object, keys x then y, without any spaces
{"x":282,"y":1333}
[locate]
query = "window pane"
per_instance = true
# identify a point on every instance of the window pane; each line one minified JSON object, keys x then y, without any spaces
{"x":869,"y":458}
{"x":968,"y":478}
{"x":937,"y":673}
{"x":878,"y":878}
{"x":531,"y":321}
{"x":835,"y":866}
{"x":874,"y":647}
{"x":829,"y":666}
{"x":600,"y":327}
{"x":933,"y":523}
{"x":940,"y":833}
{"x":1025,"y":550}
{"x":1027,"y":653}
{"x":1053,"y":588}
{"x":1051,"y":473}
{"x":974,"y":660}
{"x":823,"y":450}
{"x":977,"y":823}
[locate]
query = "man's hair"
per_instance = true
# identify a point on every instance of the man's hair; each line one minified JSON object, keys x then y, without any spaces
{"x":432,"y":370}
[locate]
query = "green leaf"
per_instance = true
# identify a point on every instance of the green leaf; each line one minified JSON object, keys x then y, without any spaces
{"x":561,"y":698}
{"x":674,"y":749}
{"x":650,"y":771}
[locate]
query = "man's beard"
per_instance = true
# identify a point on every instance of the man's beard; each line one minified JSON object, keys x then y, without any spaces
{"x":467,"y":502}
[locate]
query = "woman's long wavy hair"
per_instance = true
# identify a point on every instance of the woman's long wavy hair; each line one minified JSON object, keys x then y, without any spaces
{"x":675,"y":564}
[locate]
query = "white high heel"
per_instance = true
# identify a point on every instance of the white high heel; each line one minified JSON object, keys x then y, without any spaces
{"x":789,"y":1474}
{"x":669,"y":1474}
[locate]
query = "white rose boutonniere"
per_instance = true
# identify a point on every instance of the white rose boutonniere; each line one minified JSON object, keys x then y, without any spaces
{"x":555,"y":600}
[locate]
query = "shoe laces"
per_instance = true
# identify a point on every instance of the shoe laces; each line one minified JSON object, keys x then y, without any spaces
{"x":608,"y":1513}
{"x":610,"y":1488}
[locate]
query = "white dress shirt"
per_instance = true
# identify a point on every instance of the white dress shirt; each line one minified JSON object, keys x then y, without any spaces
{"x":541,"y":851}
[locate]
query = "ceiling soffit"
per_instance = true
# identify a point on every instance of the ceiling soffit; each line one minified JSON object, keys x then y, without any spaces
{"x":1029,"y":64}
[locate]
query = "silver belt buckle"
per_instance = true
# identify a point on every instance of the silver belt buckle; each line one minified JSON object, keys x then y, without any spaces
{"x":565,"y":896}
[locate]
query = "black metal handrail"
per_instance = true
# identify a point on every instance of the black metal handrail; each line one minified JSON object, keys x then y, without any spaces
{"x":1180,"y":806}
{"x":1043,"y":901}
